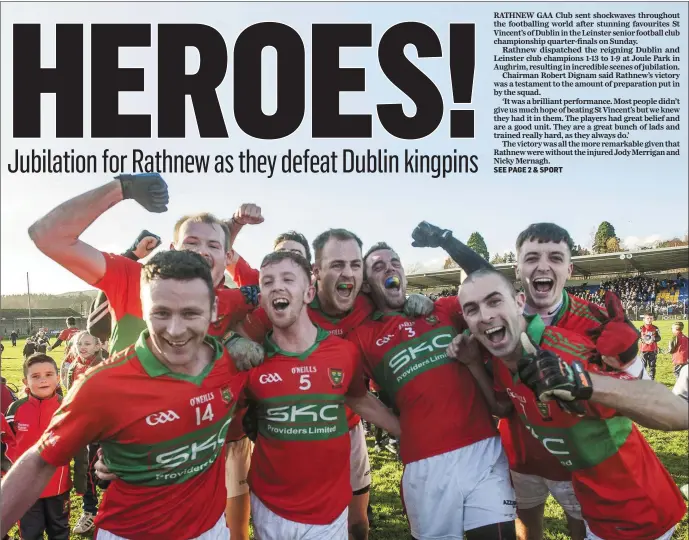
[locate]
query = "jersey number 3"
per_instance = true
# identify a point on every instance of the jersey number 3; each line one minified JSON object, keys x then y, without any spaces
{"x":207,"y":414}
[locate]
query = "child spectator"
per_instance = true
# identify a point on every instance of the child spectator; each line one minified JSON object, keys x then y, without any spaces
{"x":28,"y":418}
{"x":679,"y":347}
{"x":650,"y":336}
{"x":86,"y":353}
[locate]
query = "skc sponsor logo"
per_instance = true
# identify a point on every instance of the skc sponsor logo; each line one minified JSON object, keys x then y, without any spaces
{"x":197,"y":451}
{"x":438,"y":343}
{"x":385,"y":340}
{"x":303,"y":413}
{"x":267,"y":378}
{"x":161,"y":418}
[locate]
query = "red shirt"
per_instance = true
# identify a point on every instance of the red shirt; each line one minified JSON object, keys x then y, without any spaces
{"x":122,"y":285}
{"x":67,"y":334}
{"x":257,"y":324}
{"x":681,"y":354}
{"x":624,"y":491}
{"x":649,"y":335}
{"x":525,"y":453}
{"x":440,"y":405}
{"x":165,"y":445}
{"x":28,"y":418}
{"x":300,"y":465}
{"x":240,"y":271}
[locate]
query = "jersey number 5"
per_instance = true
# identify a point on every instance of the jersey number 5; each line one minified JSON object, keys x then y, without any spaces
{"x":207,"y":414}
{"x":304,"y":382}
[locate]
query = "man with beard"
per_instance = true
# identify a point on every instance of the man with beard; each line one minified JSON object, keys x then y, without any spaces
{"x":299,"y":473}
{"x":180,"y":390}
{"x":624,"y":491}
{"x":338,"y":308}
{"x":456,"y":478}
{"x":57,"y":235}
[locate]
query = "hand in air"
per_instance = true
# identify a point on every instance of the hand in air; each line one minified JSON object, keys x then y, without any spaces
{"x":427,"y":235}
{"x":148,"y":189}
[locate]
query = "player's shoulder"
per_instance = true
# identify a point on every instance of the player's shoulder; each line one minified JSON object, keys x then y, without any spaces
{"x":16,"y":405}
{"x":567,"y":341}
{"x":106,"y":372}
{"x":583,"y":308}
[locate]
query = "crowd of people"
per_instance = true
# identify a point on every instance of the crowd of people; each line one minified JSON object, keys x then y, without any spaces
{"x":219,"y":403}
{"x":639,"y":294}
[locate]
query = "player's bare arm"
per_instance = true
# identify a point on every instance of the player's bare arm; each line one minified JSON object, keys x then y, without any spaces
{"x":57,"y":233}
{"x":18,"y":494}
{"x":648,"y":403}
{"x":246,"y":214}
{"x":372,"y":410}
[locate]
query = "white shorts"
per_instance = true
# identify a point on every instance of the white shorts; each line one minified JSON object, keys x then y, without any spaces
{"x":591,"y":536}
{"x":269,"y":526}
{"x":532,"y":490}
{"x":359,"y":466}
{"x":237,"y":466}
{"x":458,"y":491}
{"x":218,"y":532}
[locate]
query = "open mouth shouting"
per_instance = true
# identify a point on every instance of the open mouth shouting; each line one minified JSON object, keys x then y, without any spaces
{"x":280,"y":304}
{"x":393,"y":283}
{"x":543,"y":285}
{"x":344,"y":290}
{"x":497,"y":337}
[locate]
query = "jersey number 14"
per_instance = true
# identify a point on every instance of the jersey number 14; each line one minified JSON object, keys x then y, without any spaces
{"x":207,"y":414}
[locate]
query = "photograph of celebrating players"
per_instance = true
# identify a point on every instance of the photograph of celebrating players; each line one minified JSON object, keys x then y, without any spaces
{"x":198,"y":408}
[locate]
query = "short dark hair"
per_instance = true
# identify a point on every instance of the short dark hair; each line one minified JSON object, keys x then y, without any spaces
{"x":339,"y":234}
{"x":484,"y":272}
{"x":181,"y":265}
{"x":203,"y":217}
{"x":38,"y":358}
{"x":71,"y":321}
{"x":279,"y":256}
{"x":545,"y":232}
{"x":294,"y":236}
{"x":378,"y":246}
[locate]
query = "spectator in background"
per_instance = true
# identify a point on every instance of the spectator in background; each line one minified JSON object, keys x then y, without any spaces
{"x":650,"y":336}
{"x":29,"y":347}
{"x":13,"y":336}
{"x":679,"y":348}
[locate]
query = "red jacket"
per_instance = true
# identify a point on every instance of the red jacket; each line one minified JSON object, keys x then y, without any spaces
{"x":28,"y":418}
{"x":680,"y":350}
{"x":650,"y":336}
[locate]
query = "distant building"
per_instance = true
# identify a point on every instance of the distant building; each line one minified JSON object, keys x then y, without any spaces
{"x":52,"y":319}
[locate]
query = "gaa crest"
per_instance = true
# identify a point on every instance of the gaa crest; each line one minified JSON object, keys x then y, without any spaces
{"x":226,"y":395}
{"x":335,"y":375}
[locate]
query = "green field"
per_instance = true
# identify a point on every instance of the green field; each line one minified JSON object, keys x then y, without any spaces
{"x":390,"y":523}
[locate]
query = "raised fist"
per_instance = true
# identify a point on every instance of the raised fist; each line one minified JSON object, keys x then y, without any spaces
{"x":248,"y":214}
{"x":427,"y":235}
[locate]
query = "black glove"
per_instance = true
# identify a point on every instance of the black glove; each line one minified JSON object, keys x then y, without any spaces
{"x":250,"y":421}
{"x":427,"y":235}
{"x":143,"y":234}
{"x":148,"y":189}
{"x":550,"y":377}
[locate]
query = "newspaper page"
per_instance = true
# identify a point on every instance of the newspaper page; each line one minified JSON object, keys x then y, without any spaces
{"x":389,"y":150}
